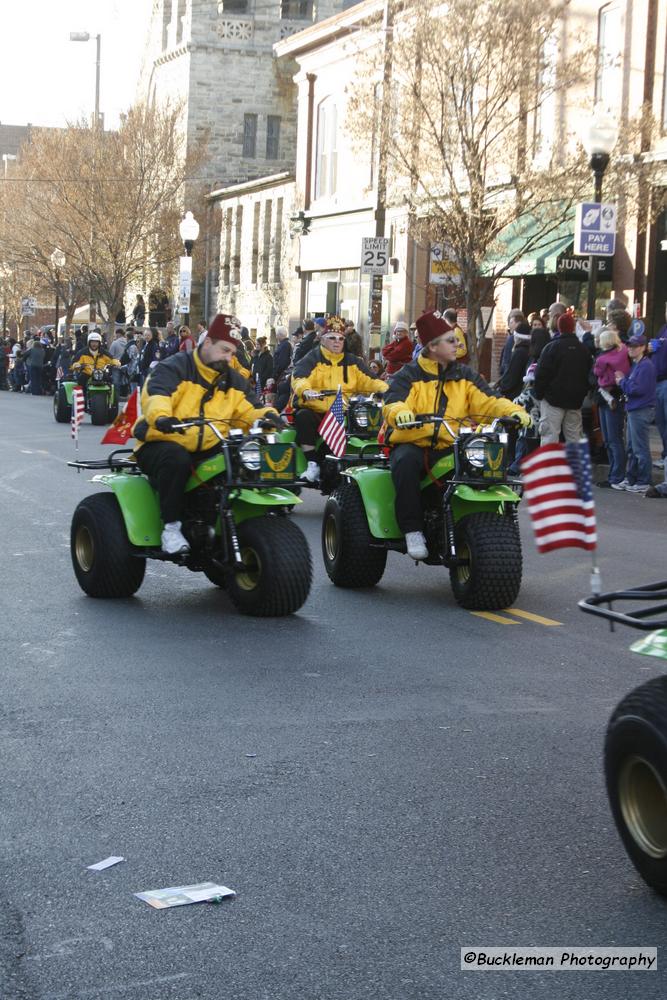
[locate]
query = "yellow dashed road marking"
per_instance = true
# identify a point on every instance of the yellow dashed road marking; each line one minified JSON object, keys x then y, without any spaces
{"x":490,"y":617}
{"x":531,"y":617}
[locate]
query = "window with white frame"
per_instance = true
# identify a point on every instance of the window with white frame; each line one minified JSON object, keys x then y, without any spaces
{"x":249,"y":136}
{"x":326,"y":161}
{"x":610,"y":47}
{"x":545,"y":111}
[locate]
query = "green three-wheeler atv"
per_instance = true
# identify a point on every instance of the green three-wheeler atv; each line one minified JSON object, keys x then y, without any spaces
{"x":235,"y":519}
{"x":101,"y":397}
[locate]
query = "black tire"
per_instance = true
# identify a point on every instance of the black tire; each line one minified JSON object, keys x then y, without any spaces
{"x":62,"y":410}
{"x":491,"y":580}
{"x":218,"y":577}
{"x":349,"y":558}
{"x":98,"y":405}
{"x":635,"y":763}
{"x":101,"y":553}
{"x":279,"y":568}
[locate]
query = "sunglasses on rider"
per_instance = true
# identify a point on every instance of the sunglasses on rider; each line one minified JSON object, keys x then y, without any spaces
{"x":335,"y":336}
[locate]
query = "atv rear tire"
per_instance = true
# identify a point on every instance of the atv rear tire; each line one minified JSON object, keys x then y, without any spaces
{"x":349,"y":556}
{"x":62,"y":410}
{"x":491,"y":579}
{"x":98,"y":405}
{"x":101,"y":553}
{"x":635,"y":763}
{"x":279,"y":569}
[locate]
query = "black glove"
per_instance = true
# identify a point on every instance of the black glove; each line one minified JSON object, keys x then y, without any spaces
{"x":167,"y":425}
{"x":273,"y":420}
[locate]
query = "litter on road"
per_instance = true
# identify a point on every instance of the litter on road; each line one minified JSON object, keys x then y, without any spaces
{"x":181,"y":895}
{"x":107,"y":863}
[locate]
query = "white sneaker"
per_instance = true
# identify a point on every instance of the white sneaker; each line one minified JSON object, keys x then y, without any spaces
{"x":659,"y":463}
{"x":173,"y":540}
{"x":637,"y":488}
{"x":416,"y":544}
{"x":623,"y":485}
{"x":312,"y":473}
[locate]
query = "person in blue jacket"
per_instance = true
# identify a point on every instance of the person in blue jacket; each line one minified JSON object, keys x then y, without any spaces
{"x":638,"y":389}
{"x":658,"y":354}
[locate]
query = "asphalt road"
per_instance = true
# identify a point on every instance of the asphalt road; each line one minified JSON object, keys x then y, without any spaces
{"x":383,"y":778}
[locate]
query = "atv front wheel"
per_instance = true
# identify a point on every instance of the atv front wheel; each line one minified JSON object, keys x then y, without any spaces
{"x":62,"y":410}
{"x":635,"y":763}
{"x":98,"y":404}
{"x":349,"y":556}
{"x":101,"y":553}
{"x":490,"y":576}
{"x":278,"y":569}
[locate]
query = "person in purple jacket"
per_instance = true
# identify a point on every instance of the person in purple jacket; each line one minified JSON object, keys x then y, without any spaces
{"x":614,"y":358}
{"x":638,"y":389}
{"x":658,"y":354}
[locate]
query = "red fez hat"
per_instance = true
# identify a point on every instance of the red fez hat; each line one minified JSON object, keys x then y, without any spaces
{"x":430,"y":326}
{"x":224,"y":328}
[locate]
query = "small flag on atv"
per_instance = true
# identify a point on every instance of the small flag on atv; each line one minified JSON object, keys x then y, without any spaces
{"x":59,"y":374}
{"x":78,"y":409}
{"x":120,"y":431}
{"x":558,"y":481}
{"x":332,"y":427}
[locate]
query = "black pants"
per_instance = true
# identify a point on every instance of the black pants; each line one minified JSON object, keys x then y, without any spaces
{"x":306,"y":423}
{"x":168,"y":466}
{"x":408,"y":467}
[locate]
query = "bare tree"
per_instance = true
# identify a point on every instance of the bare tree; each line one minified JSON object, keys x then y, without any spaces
{"x":469,"y":132}
{"x":111,"y":201}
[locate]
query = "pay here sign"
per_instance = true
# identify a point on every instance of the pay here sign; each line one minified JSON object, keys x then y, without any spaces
{"x":595,"y":230}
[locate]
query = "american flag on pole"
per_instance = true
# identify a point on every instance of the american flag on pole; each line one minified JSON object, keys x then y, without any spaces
{"x":78,"y":409}
{"x":558,"y":485}
{"x":332,"y":427}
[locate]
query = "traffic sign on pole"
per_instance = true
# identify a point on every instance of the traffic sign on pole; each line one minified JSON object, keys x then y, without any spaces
{"x":375,"y":255}
{"x":185,"y":285}
{"x":595,"y":230}
{"x":28,"y":306}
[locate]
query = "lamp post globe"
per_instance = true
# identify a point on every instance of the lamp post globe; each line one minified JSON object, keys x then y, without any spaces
{"x":58,"y":261}
{"x":189,"y":231}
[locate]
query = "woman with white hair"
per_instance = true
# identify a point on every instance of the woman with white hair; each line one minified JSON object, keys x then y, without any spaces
{"x":611,"y":411}
{"x":282,"y":355}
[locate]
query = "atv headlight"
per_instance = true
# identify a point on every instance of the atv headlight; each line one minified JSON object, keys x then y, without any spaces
{"x":475,"y":453}
{"x":98,"y":376}
{"x":361,"y":416}
{"x":250,"y":456}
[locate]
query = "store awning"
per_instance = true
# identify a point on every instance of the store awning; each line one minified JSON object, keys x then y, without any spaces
{"x":543,"y":254}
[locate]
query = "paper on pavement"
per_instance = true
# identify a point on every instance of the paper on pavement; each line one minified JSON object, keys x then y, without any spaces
{"x":107,"y":863}
{"x":181,"y":895}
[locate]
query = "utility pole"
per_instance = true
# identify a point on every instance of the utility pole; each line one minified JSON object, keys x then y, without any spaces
{"x":375,"y":309}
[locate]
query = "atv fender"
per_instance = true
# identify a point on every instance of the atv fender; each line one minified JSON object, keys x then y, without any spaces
{"x":256,"y":503}
{"x":468,"y":500}
{"x":378,"y":494}
{"x":139,"y":506}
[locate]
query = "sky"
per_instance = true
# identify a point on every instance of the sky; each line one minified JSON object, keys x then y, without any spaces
{"x":48,"y":80}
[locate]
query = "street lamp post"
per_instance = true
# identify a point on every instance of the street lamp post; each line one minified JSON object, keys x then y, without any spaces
{"x":58,"y":261}
{"x":599,"y":138}
{"x":189,"y":231}
{"x":85,"y":36}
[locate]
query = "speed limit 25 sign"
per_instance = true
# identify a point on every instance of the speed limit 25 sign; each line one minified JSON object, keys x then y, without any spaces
{"x":375,"y":255}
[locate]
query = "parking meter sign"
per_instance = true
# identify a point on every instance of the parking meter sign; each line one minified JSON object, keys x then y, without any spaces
{"x":595,"y":230}
{"x":375,"y":255}
{"x":28,"y":306}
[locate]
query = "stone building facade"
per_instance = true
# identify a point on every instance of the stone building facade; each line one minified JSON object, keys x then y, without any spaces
{"x":216,"y":57}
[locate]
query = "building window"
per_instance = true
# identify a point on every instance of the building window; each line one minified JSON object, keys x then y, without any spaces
{"x":545,"y":113}
{"x":236,"y":259}
{"x":326,"y":163}
{"x":233,"y":6}
{"x":278,"y":242}
{"x":296,"y":10}
{"x":610,"y":40}
{"x":272,"y":136}
{"x":266,"y":252}
{"x":255,"y":243}
{"x":226,"y":266}
{"x":249,"y":136}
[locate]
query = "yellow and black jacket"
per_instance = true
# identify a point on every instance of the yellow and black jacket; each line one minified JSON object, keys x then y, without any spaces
{"x":321,"y":370}
{"x":241,"y":364}
{"x":184,"y":387}
{"x":87,"y":363}
{"x":453,"y":392}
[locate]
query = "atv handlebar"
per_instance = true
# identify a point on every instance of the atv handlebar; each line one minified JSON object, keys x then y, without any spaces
{"x":431,"y":418}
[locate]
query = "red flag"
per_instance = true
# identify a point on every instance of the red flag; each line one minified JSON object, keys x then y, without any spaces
{"x":332,"y":427}
{"x":120,"y":431}
{"x":558,"y":485}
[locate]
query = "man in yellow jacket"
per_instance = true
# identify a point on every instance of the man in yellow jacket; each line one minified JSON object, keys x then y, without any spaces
{"x":325,"y":368}
{"x":186,"y":386}
{"x":93,"y":358}
{"x":433,"y":384}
